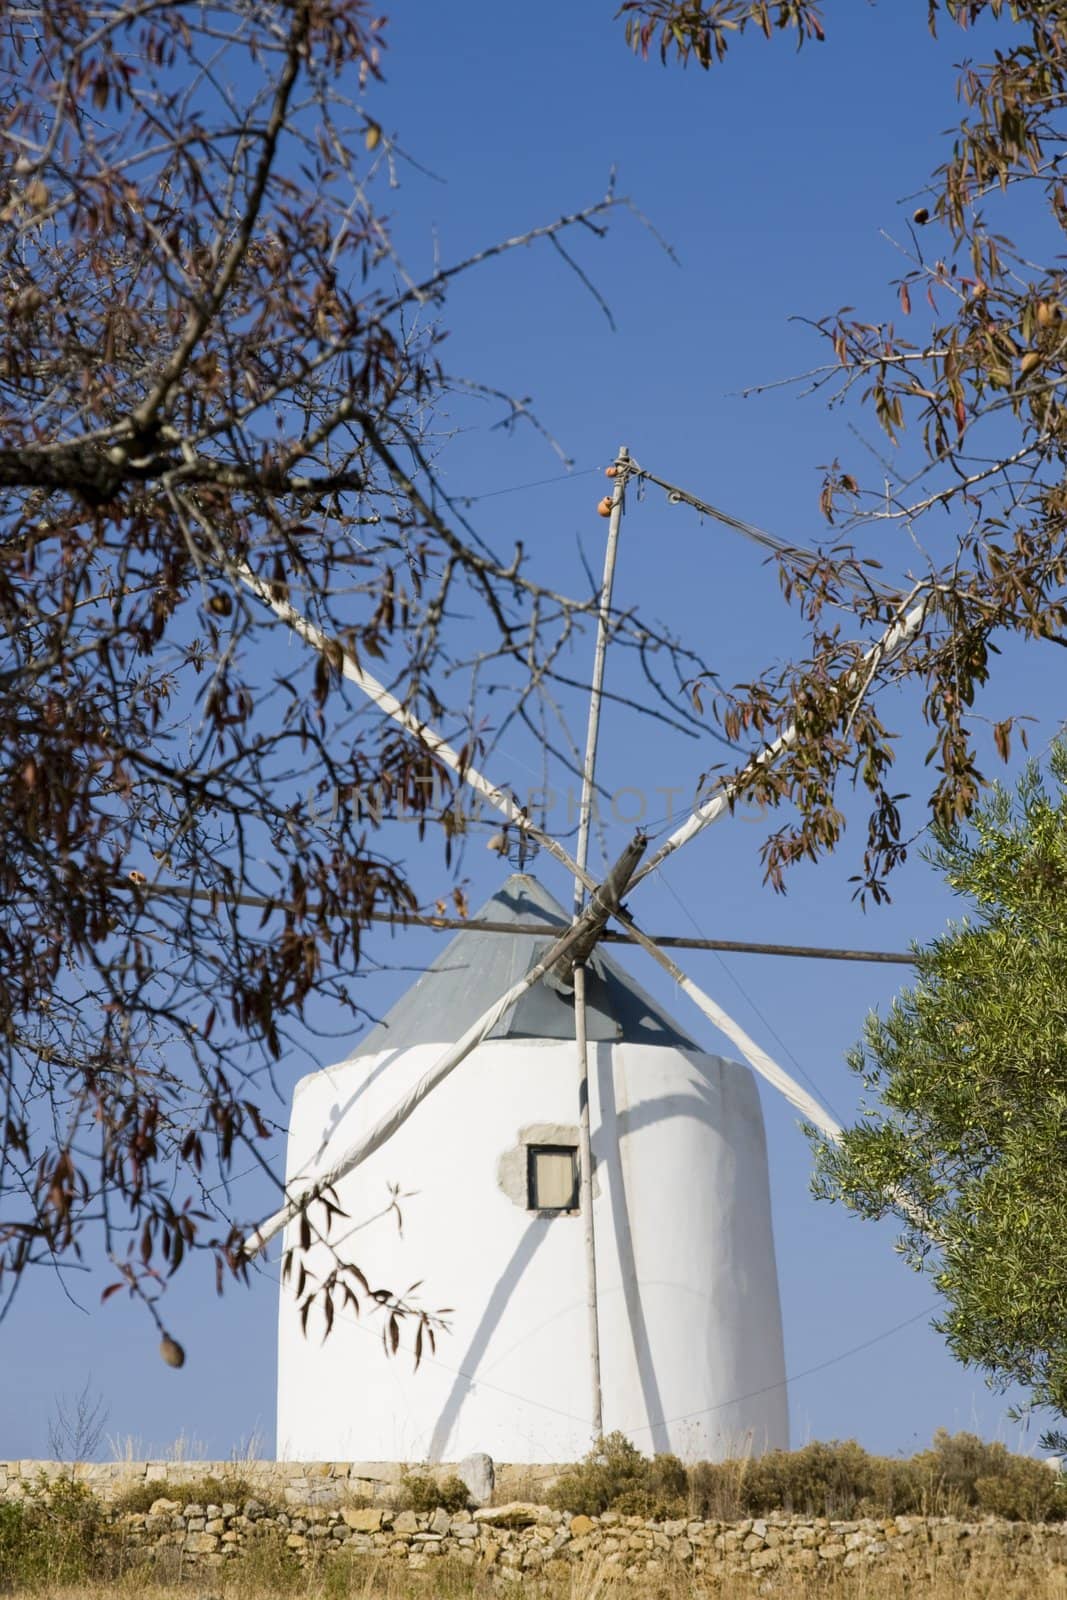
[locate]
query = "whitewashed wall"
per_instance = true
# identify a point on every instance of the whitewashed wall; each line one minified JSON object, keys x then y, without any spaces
{"x":689,"y":1313}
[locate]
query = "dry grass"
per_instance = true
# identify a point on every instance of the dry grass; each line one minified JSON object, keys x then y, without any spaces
{"x":592,"y":1583}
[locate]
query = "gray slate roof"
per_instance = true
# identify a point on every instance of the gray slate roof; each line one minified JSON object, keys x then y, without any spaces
{"x":476,"y":968}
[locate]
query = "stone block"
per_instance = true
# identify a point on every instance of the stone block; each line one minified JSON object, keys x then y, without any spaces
{"x":801,"y":1560}
{"x":580,"y":1526}
{"x":362,"y":1519}
{"x":516,"y":1514}
{"x":201,"y":1544}
{"x":479,"y":1474}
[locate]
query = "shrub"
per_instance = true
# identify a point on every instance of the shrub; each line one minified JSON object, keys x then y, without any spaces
{"x":139,"y":1496}
{"x":420,"y":1492}
{"x":821,"y":1480}
{"x":949,"y":1471}
{"x":266,"y":1566}
{"x":959,"y":1475}
{"x":715,"y":1490}
{"x":615,"y":1476}
{"x":56,"y":1534}
{"x":205,"y":1491}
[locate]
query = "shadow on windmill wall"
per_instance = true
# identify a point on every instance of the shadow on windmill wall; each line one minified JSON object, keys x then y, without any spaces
{"x":467,"y":1375}
{"x":703,"y":1103}
{"x":613,"y":1129}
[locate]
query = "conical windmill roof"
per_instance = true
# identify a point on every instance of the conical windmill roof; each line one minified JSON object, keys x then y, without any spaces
{"x":477,"y":967}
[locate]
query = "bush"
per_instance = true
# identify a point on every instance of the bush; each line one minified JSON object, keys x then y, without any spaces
{"x":205,"y":1491}
{"x":265,"y":1566}
{"x":960,"y":1475}
{"x":615,"y":1476}
{"x":1027,"y":1492}
{"x":420,"y":1492}
{"x":56,"y":1534}
{"x":962,"y":1472}
{"x":821,"y":1480}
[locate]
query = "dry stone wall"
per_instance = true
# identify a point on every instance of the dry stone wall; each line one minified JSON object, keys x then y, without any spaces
{"x":518,"y":1539}
{"x":274,"y":1482}
{"x":320,"y":1518}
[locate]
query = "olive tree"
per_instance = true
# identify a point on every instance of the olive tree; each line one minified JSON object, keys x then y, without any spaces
{"x":963,"y":1132}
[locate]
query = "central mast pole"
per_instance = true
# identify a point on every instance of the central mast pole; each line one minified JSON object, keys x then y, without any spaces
{"x":585,"y":1159}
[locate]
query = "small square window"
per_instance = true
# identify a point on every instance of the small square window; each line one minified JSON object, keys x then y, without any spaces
{"x":552,"y":1177}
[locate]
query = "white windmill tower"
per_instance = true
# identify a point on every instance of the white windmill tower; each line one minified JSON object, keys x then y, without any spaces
{"x":687,"y":1296}
{"x":592,"y":1192}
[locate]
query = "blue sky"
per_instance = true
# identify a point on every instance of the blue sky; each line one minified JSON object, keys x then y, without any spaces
{"x":773,"y":179}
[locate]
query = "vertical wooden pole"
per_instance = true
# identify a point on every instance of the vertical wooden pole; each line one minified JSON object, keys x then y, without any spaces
{"x":585,"y":1158}
{"x":585,"y":1173}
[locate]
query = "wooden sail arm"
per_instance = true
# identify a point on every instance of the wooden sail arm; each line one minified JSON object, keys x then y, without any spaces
{"x":884,"y":649}
{"x":757,"y":1059}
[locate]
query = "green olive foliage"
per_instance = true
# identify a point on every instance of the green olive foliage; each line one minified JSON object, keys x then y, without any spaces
{"x":964,"y":1128}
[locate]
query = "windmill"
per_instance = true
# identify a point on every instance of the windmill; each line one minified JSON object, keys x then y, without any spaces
{"x":595,"y":1185}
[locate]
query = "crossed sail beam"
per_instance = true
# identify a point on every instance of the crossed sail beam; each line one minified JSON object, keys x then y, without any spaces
{"x":893,"y":640}
{"x":758,"y":1059}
